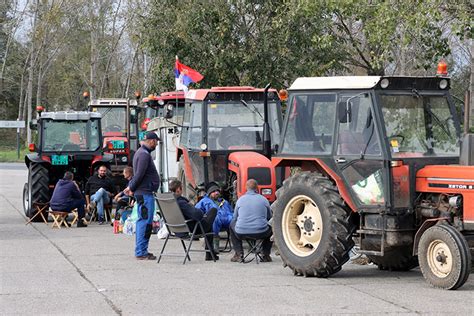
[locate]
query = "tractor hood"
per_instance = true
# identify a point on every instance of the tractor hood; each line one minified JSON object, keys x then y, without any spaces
{"x":445,"y":177}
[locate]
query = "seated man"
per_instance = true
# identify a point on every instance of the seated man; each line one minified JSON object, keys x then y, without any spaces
{"x":99,"y":191}
{"x":224,"y":211}
{"x":252,"y":212}
{"x":197,"y":215}
{"x":67,"y":196}
{"x":121,"y":198}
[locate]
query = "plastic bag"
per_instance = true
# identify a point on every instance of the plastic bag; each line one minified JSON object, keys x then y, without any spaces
{"x":163,"y":232}
{"x":134,"y":216}
{"x":129,"y":227}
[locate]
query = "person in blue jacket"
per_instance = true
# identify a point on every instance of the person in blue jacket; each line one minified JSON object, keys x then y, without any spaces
{"x":225,"y":212}
{"x":145,"y":181}
{"x":67,"y":196}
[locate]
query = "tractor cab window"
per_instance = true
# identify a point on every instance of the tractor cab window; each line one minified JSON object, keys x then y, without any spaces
{"x":191,"y":132}
{"x":239,"y":124}
{"x":70,"y":135}
{"x":113,"y":120}
{"x":357,"y":130}
{"x":419,"y":125}
{"x":310,"y":124}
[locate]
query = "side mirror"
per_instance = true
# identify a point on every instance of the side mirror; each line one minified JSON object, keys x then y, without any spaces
{"x":169,"y":111}
{"x":33,"y":125}
{"x":133,"y":116}
{"x":345,"y":112}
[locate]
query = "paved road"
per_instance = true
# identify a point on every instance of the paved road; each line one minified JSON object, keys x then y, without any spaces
{"x":92,"y":271}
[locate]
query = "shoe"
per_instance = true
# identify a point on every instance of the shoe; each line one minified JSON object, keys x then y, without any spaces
{"x":266,"y":258}
{"x":237,"y":257}
{"x":101,"y":221}
{"x":80,"y":223}
{"x":149,"y":256}
{"x":209,"y":257}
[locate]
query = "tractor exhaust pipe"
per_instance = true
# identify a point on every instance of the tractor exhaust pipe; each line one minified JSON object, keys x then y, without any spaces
{"x":267,"y":144}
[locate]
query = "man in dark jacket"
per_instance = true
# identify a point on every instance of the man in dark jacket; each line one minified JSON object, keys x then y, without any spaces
{"x":195,"y":214}
{"x":145,"y":181}
{"x":67,"y":196}
{"x":99,"y":192}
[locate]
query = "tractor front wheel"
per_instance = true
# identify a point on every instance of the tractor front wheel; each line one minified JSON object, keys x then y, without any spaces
{"x":445,"y":258}
{"x":312,"y":226}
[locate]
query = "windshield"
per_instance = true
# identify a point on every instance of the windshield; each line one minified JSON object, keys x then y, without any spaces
{"x":113,"y":120}
{"x":310,"y":124}
{"x":239,"y":125}
{"x":419,"y":125}
{"x":70,"y":135}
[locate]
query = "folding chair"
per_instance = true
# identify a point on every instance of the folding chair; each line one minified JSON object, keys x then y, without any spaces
{"x":228,"y":244}
{"x":254,"y":250}
{"x":39,"y":208}
{"x":178,"y":227}
{"x":59,"y":218}
{"x":107,"y":213}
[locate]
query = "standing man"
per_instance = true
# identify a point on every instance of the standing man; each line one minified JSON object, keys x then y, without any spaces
{"x":67,"y":196}
{"x":145,"y":181}
{"x":225,"y":212}
{"x":252,"y":212}
{"x":99,"y":192}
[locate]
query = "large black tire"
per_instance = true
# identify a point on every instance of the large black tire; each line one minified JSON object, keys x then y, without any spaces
{"x":312,"y":227}
{"x":445,"y":258}
{"x":36,"y":190}
{"x":396,"y":259}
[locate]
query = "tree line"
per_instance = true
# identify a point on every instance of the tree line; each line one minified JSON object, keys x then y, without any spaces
{"x":53,"y":50}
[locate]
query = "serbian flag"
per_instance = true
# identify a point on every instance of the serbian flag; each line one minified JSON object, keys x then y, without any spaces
{"x":185,"y":75}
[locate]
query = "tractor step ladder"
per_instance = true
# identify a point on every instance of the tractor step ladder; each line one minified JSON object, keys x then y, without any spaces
{"x":363,"y":233}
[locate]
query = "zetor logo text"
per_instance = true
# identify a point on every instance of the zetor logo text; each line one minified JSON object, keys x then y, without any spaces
{"x":461,"y":186}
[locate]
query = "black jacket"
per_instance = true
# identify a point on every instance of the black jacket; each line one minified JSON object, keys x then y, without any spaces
{"x":145,"y":177}
{"x":189,"y":211}
{"x":95,"y":183}
{"x":65,"y":192}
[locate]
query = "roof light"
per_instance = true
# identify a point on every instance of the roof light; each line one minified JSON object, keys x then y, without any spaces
{"x":384,"y":83}
{"x":39,"y":108}
{"x":283,"y":94}
{"x":442,"y":68}
{"x":86,"y":94}
{"x":138,"y":94}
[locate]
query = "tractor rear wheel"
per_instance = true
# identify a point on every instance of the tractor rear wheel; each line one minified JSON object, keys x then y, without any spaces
{"x":36,"y":190}
{"x":312,"y":227}
{"x":445,"y":258}
{"x":396,"y":259}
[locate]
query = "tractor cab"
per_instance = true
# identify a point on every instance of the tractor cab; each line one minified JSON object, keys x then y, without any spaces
{"x":119,"y":130}
{"x":223,"y":135}
{"x":370,"y":131}
{"x":164,"y":116}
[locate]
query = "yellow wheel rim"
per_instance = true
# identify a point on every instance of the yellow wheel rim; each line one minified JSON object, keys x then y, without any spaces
{"x":302,"y":225}
{"x":440,"y":259}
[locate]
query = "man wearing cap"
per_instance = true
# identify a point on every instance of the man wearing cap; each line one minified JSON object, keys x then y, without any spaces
{"x":145,"y":181}
{"x":225,"y":212}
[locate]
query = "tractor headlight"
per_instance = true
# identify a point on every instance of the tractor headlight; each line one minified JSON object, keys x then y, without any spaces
{"x":443,"y":84}
{"x":124,"y":159}
{"x":384,"y":83}
{"x":267,"y":191}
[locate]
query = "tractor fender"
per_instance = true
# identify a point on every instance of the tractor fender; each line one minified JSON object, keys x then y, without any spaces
{"x":186,"y":165}
{"x":251,"y":165}
{"x":317,"y":165}
{"x":426,"y":224}
{"x":34,"y":157}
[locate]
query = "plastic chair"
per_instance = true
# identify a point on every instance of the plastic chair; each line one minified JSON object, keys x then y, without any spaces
{"x":178,"y":227}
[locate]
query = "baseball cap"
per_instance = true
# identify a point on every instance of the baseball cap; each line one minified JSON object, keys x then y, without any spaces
{"x":152,"y":135}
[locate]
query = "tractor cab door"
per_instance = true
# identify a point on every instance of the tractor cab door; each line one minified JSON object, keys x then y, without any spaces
{"x":358,"y":151}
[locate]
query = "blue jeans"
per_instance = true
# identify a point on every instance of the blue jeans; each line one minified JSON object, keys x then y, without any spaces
{"x":101,"y":198}
{"x":144,"y":224}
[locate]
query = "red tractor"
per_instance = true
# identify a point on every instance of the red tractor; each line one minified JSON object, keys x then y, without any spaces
{"x":119,"y":132}
{"x":226,"y":137}
{"x":379,"y":162}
